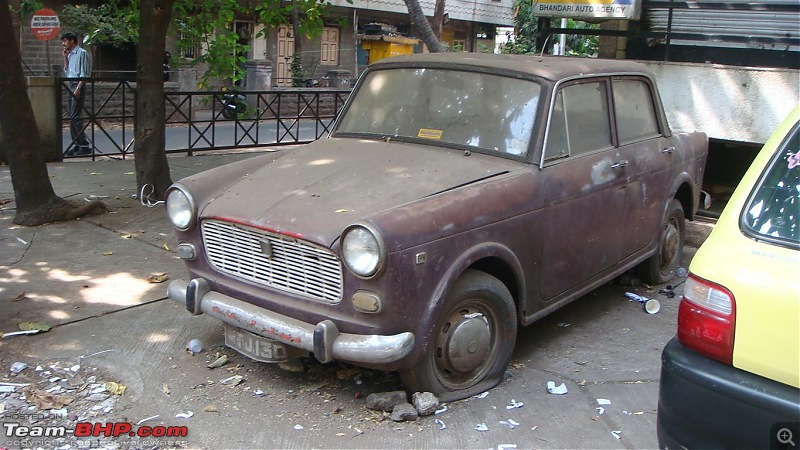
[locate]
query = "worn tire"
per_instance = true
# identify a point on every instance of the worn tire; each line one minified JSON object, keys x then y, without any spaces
{"x":661,"y":267}
{"x":472,"y":342}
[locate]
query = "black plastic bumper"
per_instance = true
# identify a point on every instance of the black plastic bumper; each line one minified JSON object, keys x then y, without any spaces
{"x":703,"y":403}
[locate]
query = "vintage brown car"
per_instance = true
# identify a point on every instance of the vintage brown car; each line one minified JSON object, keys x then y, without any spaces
{"x":458,"y":197}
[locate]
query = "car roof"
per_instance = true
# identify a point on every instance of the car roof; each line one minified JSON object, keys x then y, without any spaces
{"x":552,"y":68}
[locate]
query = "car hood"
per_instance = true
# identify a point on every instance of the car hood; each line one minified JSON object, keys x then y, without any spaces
{"x":317,"y":190}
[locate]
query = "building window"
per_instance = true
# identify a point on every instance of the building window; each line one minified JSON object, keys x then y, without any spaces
{"x":330,"y":47}
{"x":191,"y":46}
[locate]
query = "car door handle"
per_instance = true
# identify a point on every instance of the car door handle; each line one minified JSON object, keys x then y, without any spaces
{"x":668,"y":150}
{"x":622,"y":163}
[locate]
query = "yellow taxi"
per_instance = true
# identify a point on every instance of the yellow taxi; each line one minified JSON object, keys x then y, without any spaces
{"x":731,"y":376}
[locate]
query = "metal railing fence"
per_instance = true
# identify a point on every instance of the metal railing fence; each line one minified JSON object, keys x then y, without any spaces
{"x":199,"y":121}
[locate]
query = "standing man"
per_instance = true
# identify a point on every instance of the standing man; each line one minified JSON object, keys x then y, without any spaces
{"x":76,"y":65}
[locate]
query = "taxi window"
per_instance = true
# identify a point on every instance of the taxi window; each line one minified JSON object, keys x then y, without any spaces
{"x":774,"y":206}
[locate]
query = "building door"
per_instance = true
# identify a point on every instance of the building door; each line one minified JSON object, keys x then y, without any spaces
{"x":285,"y":54}
{"x":260,"y":42}
{"x":330,"y":47}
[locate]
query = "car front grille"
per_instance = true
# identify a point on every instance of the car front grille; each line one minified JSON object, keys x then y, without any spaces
{"x":292,"y":265}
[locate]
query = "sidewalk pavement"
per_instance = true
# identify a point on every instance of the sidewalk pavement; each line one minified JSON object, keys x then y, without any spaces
{"x":102,"y":261}
{"x":88,"y":279}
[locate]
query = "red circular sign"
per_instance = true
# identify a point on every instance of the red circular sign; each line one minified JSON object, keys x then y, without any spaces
{"x":45,"y":25}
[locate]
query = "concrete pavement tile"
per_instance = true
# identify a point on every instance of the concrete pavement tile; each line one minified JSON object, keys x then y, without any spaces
{"x":632,"y":410}
{"x":14,"y":240}
{"x":618,"y":340}
{"x":76,"y":270}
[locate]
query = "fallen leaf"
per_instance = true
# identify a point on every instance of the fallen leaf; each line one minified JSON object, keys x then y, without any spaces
{"x":342,"y":210}
{"x":210,"y":408}
{"x":166,"y":247}
{"x":347,"y":373}
{"x":159,"y":278}
{"x":126,"y":236}
{"x":165,"y":388}
{"x":115,"y":388}
{"x":21,"y":296}
{"x":30,"y":326}
{"x":108,"y":253}
{"x":46,"y":400}
{"x":311,"y":387}
{"x":221,"y":361}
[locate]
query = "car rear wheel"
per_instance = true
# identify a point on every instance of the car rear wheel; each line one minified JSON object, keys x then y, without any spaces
{"x":661,"y":267}
{"x":472,"y":343}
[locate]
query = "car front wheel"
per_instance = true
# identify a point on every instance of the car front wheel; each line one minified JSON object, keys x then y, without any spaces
{"x":472,"y":343}
{"x":661,"y":267}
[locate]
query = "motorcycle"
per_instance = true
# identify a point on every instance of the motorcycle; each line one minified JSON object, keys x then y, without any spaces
{"x":232,"y":105}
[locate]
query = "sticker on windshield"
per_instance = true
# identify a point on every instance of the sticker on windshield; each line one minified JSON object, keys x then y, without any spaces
{"x":794,"y":160}
{"x":427,"y":133}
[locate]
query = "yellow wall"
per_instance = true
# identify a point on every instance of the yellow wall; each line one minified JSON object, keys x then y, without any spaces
{"x":380,"y":49}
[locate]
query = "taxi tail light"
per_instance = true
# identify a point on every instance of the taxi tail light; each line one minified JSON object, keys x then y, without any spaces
{"x":707,"y":319}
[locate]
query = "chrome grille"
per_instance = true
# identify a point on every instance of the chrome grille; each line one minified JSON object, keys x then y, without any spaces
{"x":294,"y":266}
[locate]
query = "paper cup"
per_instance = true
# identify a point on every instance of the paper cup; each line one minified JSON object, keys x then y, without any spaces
{"x":652,"y":306}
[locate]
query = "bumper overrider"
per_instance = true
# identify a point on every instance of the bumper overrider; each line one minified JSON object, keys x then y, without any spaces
{"x":323,"y":339}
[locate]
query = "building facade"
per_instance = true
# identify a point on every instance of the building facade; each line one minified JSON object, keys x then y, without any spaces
{"x":338,"y":52}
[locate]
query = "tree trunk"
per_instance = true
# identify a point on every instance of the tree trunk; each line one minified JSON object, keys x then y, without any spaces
{"x":150,"y":158}
{"x":438,"y":19}
{"x":36,"y":201}
{"x":424,"y":27}
{"x":298,"y":41}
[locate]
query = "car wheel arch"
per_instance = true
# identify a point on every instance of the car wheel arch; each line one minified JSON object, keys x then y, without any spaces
{"x":493,"y":258}
{"x":684,"y":192}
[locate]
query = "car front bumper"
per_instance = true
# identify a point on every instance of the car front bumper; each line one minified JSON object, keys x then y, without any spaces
{"x":323,"y":339}
{"x":703,"y":403}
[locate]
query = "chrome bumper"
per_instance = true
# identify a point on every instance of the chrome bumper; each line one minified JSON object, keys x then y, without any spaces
{"x":322,"y":339}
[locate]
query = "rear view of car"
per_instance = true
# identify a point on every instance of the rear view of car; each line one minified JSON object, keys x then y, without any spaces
{"x":731,"y":376}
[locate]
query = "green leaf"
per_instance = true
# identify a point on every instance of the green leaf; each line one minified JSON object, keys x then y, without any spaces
{"x":30,"y":326}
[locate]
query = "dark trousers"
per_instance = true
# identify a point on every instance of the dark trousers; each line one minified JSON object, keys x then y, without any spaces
{"x":75,"y":109}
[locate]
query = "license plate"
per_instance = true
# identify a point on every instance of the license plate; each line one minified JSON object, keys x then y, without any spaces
{"x":258,"y":347}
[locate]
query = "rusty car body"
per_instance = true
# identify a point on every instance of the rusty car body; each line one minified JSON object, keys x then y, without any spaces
{"x":457,"y":197}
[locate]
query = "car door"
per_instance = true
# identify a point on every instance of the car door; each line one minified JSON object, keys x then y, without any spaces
{"x":647,"y":157}
{"x":584,"y":188}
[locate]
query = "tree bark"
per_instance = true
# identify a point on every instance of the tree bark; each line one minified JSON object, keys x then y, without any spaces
{"x":438,"y":19}
{"x":298,"y":42}
{"x":150,"y":158}
{"x":36,"y":201}
{"x":424,"y":27}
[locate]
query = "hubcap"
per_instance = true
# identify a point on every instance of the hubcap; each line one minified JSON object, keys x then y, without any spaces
{"x":468,"y":343}
{"x":669,"y":246}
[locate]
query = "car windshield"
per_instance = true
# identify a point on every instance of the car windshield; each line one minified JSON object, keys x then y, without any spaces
{"x":478,"y":110}
{"x":774,"y":205}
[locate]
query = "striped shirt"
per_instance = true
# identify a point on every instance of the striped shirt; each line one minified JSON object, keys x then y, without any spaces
{"x":79,"y":65}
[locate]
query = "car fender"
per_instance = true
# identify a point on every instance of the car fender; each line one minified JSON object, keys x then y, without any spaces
{"x":463,"y":262}
{"x":683,"y":188}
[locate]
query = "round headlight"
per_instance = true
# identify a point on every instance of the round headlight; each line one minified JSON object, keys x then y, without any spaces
{"x":362,"y":251}
{"x":180,"y":209}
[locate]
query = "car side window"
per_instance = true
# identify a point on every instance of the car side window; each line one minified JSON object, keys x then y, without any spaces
{"x":774,"y":206}
{"x":635,"y":110}
{"x":579,"y":122}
